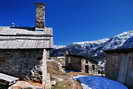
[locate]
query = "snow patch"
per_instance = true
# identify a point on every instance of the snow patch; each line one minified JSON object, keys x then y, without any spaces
{"x":95,"y":82}
{"x":92,"y":42}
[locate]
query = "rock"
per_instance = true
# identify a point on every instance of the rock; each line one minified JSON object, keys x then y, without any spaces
{"x":53,"y":83}
{"x":25,"y":85}
{"x":36,"y":74}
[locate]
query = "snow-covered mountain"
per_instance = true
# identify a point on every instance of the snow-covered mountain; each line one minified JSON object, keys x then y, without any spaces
{"x":59,"y":46}
{"x":95,"y":48}
{"x":115,"y":42}
{"x":128,"y":43}
{"x":91,"y":44}
{"x":86,"y":43}
{"x":118,"y":40}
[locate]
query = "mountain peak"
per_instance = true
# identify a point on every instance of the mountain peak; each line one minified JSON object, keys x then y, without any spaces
{"x":95,"y":48}
{"x":92,"y":42}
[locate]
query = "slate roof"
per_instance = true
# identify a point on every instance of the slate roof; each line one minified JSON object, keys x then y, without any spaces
{"x":8,"y":78}
{"x":24,"y":38}
{"x":23,"y":31}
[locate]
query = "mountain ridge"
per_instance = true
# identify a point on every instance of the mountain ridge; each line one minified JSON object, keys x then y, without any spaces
{"x":96,"y":48}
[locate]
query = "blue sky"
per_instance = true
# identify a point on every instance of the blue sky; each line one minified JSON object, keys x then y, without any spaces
{"x":73,"y":20}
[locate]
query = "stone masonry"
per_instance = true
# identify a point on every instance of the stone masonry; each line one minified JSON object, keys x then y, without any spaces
{"x":24,"y":64}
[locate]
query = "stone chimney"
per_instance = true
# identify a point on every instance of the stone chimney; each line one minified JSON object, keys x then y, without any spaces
{"x":40,"y":15}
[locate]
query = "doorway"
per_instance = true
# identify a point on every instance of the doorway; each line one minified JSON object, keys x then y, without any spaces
{"x":87,"y":68}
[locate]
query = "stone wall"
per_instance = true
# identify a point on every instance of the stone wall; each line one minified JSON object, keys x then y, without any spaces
{"x":89,"y":67}
{"x":40,"y":15}
{"x":73,"y":63}
{"x":24,"y":64}
{"x":81,"y":64}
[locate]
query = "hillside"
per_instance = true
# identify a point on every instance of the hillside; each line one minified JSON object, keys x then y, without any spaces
{"x":95,"y":48}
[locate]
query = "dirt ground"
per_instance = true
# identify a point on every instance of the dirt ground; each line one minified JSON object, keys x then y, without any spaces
{"x":63,"y":80}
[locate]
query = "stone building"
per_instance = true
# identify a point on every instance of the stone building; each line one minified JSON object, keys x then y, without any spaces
{"x":24,"y":50}
{"x":119,"y":65}
{"x":81,"y":64}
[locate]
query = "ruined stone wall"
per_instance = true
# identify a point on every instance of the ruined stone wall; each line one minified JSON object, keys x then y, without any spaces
{"x":24,"y":64}
{"x":93,"y":68}
{"x":83,"y":63}
{"x":89,"y":67}
{"x":73,"y":63}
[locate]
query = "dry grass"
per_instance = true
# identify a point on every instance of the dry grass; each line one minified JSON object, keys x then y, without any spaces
{"x":53,"y":68}
{"x":67,"y":82}
{"x":63,"y":85}
{"x":78,"y":73}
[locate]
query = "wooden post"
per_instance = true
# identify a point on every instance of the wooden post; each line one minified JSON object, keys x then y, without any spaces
{"x":45,"y":76}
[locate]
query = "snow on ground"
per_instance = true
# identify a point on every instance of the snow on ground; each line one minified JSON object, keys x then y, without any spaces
{"x":95,"y":82}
